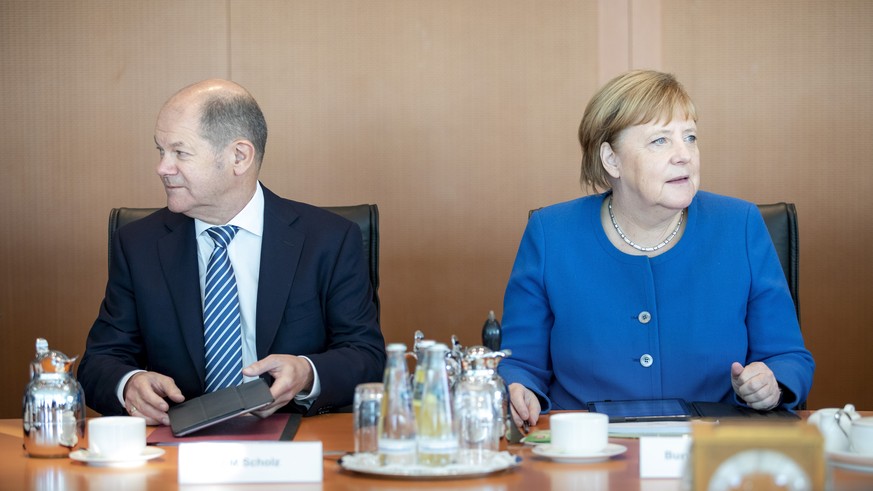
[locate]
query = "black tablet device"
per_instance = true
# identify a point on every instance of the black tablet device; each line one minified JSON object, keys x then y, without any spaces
{"x":215,"y":407}
{"x":643,"y":410}
{"x":720,"y":410}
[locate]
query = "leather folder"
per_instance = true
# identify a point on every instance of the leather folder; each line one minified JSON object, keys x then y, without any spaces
{"x":679,"y":410}
{"x":218,"y":406}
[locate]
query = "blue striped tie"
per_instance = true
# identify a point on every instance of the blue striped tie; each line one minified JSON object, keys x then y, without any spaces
{"x":221,"y":317}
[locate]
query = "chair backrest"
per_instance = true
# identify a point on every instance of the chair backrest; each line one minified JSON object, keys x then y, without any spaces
{"x":781,"y":221}
{"x":366,"y":216}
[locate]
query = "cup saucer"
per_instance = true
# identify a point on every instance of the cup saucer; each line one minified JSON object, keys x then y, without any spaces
{"x":550,"y":452}
{"x":148,"y":453}
{"x":851,"y":460}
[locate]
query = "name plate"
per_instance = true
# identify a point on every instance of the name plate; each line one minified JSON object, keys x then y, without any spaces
{"x":664,"y":457}
{"x":250,"y":462}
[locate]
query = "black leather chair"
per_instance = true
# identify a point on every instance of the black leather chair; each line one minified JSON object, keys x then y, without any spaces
{"x":781,"y":221}
{"x":366,"y":216}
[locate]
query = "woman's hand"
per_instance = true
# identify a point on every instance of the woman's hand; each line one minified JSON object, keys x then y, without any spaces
{"x":524,"y":405}
{"x":756,"y":384}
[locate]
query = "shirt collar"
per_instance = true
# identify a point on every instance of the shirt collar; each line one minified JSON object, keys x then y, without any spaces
{"x":250,"y":218}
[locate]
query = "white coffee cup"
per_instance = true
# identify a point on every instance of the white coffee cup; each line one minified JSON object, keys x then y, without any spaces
{"x":116,"y":437}
{"x":834,"y":424}
{"x":579,"y":433}
{"x":862,"y":436}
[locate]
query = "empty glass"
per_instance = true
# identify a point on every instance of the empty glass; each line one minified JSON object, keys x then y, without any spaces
{"x":367,"y":410}
{"x":479,"y":436}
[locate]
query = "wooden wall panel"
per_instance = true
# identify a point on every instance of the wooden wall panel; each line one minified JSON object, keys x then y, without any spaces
{"x":81,"y":86}
{"x":785,"y":101}
{"x":456,"y":117}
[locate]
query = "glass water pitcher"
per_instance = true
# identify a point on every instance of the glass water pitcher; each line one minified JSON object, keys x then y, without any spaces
{"x":479,"y":367}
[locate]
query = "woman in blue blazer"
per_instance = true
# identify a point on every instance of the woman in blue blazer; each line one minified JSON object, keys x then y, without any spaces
{"x":650,"y":289}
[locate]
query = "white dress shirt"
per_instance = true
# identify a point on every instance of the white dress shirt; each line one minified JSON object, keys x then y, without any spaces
{"x":244,"y":252}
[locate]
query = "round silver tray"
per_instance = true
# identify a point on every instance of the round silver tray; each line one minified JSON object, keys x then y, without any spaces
{"x":369,"y":464}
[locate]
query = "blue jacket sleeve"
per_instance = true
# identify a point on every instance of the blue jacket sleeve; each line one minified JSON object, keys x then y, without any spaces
{"x":528,"y":317}
{"x":774,"y":333}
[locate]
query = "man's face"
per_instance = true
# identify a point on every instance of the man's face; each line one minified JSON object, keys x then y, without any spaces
{"x":195,"y":177}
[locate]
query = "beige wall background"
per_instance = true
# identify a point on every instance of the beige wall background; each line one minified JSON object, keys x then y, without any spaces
{"x":456,"y":117}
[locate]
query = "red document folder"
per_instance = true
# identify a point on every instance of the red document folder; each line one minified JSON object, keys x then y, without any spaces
{"x":276,"y":427}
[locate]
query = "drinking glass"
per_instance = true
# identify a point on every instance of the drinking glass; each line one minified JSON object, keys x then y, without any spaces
{"x":478,"y":438}
{"x":367,"y":410}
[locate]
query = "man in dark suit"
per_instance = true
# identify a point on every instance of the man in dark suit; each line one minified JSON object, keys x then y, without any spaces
{"x":304,"y":320}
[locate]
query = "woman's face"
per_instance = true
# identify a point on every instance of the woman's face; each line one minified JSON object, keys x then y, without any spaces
{"x":655,"y":164}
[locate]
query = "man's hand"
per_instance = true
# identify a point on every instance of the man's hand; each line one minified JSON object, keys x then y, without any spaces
{"x":291,"y":375}
{"x":144,"y":397}
{"x":756,"y":384}
{"x":524,"y":405}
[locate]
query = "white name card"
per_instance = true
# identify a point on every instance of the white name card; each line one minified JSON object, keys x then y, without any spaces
{"x":664,"y":457}
{"x":250,"y":462}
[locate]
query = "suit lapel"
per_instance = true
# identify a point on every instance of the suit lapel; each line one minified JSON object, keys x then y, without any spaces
{"x":177,"y":252}
{"x":280,"y":252}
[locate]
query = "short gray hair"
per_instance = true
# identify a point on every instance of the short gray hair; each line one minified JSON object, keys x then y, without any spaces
{"x":225,"y":117}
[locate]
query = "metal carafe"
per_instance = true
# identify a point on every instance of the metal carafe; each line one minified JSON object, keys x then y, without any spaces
{"x":479,"y":366}
{"x":453,"y":357}
{"x":53,"y":405}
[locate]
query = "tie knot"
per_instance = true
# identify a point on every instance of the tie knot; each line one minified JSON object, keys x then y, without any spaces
{"x":222,"y":235}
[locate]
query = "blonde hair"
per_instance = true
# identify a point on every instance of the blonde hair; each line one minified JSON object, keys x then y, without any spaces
{"x":636,"y":97}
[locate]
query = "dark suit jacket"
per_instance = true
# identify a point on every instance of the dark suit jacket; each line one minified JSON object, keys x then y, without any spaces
{"x":314,"y":299}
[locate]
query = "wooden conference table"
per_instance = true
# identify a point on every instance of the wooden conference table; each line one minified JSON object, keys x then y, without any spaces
{"x":19,"y":472}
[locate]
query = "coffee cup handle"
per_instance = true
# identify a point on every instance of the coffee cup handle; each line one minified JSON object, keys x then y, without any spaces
{"x":839,"y":416}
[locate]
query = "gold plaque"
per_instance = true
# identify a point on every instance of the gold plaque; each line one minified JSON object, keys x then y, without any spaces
{"x":765,"y":456}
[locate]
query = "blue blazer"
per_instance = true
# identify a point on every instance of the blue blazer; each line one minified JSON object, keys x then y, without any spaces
{"x":314,"y":299}
{"x":587,"y":322}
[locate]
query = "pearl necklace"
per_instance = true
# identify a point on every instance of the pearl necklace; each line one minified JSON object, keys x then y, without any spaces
{"x":632,"y":243}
